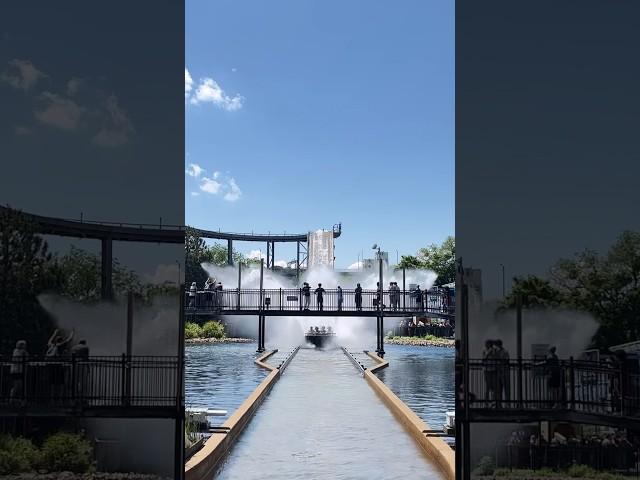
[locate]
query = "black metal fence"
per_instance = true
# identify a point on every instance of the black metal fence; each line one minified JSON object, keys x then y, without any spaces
{"x":96,"y":381}
{"x":588,"y":387}
{"x":293,"y":299}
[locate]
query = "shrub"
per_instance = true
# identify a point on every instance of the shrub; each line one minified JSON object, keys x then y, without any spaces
{"x":17,"y":455}
{"x":581,"y":471}
{"x":66,"y":452}
{"x":192,"y":330}
{"x":485,"y":466}
{"x":213,"y":329}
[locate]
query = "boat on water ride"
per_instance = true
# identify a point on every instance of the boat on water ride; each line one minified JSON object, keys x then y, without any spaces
{"x":320,"y":337}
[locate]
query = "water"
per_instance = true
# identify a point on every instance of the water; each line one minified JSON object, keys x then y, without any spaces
{"x":221,"y":376}
{"x":423,"y":378}
{"x":322,"y":420}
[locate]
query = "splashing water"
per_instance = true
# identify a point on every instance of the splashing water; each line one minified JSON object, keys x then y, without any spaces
{"x":289,"y":331}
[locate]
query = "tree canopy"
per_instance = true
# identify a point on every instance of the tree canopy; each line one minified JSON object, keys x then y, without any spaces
{"x":605,"y":285}
{"x":198,"y":252}
{"x":441,"y":259}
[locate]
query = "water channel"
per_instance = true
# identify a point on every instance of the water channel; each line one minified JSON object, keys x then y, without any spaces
{"x":322,"y":420}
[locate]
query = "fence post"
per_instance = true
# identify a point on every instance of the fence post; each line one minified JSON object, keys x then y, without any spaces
{"x":281,"y":298}
{"x":123,"y":376}
{"x":74,"y":380}
{"x":572,"y":384}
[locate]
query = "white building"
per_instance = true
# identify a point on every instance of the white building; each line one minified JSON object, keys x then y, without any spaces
{"x":320,"y":244}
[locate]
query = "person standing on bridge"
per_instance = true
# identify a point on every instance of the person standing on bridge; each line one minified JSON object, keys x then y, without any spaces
{"x":306,"y":293}
{"x":358,"y":297}
{"x":340,"y":298}
{"x":319,"y":295}
{"x":192,"y":295}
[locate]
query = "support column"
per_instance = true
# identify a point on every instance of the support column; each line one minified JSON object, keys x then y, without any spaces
{"x":107,"y":269}
{"x":298,"y":263}
{"x":229,"y":252}
{"x":273,"y":255}
{"x":268,"y":253}
{"x":239,"y":282}
{"x":381,"y":352}
{"x":404,"y":290}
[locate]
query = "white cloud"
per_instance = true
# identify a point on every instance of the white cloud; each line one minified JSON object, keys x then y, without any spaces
{"x":234,"y":70}
{"x":234,"y":193}
{"x":281,"y":263}
{"x":166,"y":273}
{"x":256,"y":255}
{"x":209,"y":185}
{"x":196,"y":170}
{"x":195,"y":194}
{"x":59,"y":112}
{"x":209,"y":91}
{"x":116,"y":127}
{"x":355,"y":266}
{"x":73,"y":86}
{"x":21,"y":74}
{"x":188,"y":83}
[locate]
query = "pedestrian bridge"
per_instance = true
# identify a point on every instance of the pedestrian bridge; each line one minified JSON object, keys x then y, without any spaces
{"x":292,"y":302}
{"x":574,"y":391}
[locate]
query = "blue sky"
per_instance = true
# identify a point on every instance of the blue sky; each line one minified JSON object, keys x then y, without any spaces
{"x":306,"y":114}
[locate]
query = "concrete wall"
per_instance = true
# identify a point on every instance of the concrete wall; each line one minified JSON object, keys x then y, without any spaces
{"x":435,"y":448}
{"x":134,"y":444}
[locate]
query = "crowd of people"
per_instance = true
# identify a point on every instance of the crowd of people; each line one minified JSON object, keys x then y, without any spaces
{"x":211,"y":296}
{"x":59,"y":349}
{"x":606,"y":449}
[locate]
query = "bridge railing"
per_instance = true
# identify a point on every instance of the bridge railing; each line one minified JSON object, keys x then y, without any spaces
{"x":293,"y":299}
{"x":96,"y":381}
{"x":587,"y":387}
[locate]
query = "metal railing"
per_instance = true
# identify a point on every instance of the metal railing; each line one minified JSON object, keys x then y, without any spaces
{"x":96,"y":381}
{"x":293,"y":299}
{"x":585,"y":387}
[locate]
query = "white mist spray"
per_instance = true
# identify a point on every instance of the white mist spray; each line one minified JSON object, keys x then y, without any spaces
{"x":289,"y":331}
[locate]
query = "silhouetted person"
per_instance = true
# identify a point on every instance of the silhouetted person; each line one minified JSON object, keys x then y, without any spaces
{"x":306,"y":293}
{"x":192,"y":295}
{"x":55,"y":350}
{"x":490,"y":371}
{"x":358,"y":297}
{"x":418,"y":295}
{"x":340,"y":298}
{"x":504,"y":379}
{"x":17,"y":370}
{"x":554,"y":376}
{"x":319,"y":296}
{"x":80,"y":352}
{"x":219,"y":297}
{"x":209,"y":287}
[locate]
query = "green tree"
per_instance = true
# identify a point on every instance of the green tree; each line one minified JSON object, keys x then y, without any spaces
{"x":441,"y":259}
{"x":23,"y":276}
{"x":410,"y":262}
{"x":607,"y":286}
{"x":77,"y":275}
{"x":535,"y":292}
{"x":198,"y":252}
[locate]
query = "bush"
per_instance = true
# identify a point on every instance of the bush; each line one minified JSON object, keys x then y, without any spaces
{"x":485,"y":466}
{"x":17,"y":455}
{"x":192,"y":330}
{"x":213,"y":329}
{"x":581,"y":471}
{"x":67,"y":452}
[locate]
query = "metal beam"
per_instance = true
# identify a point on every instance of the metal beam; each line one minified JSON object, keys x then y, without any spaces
{"x":106,"y":269}
{"x":230,"y":252}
